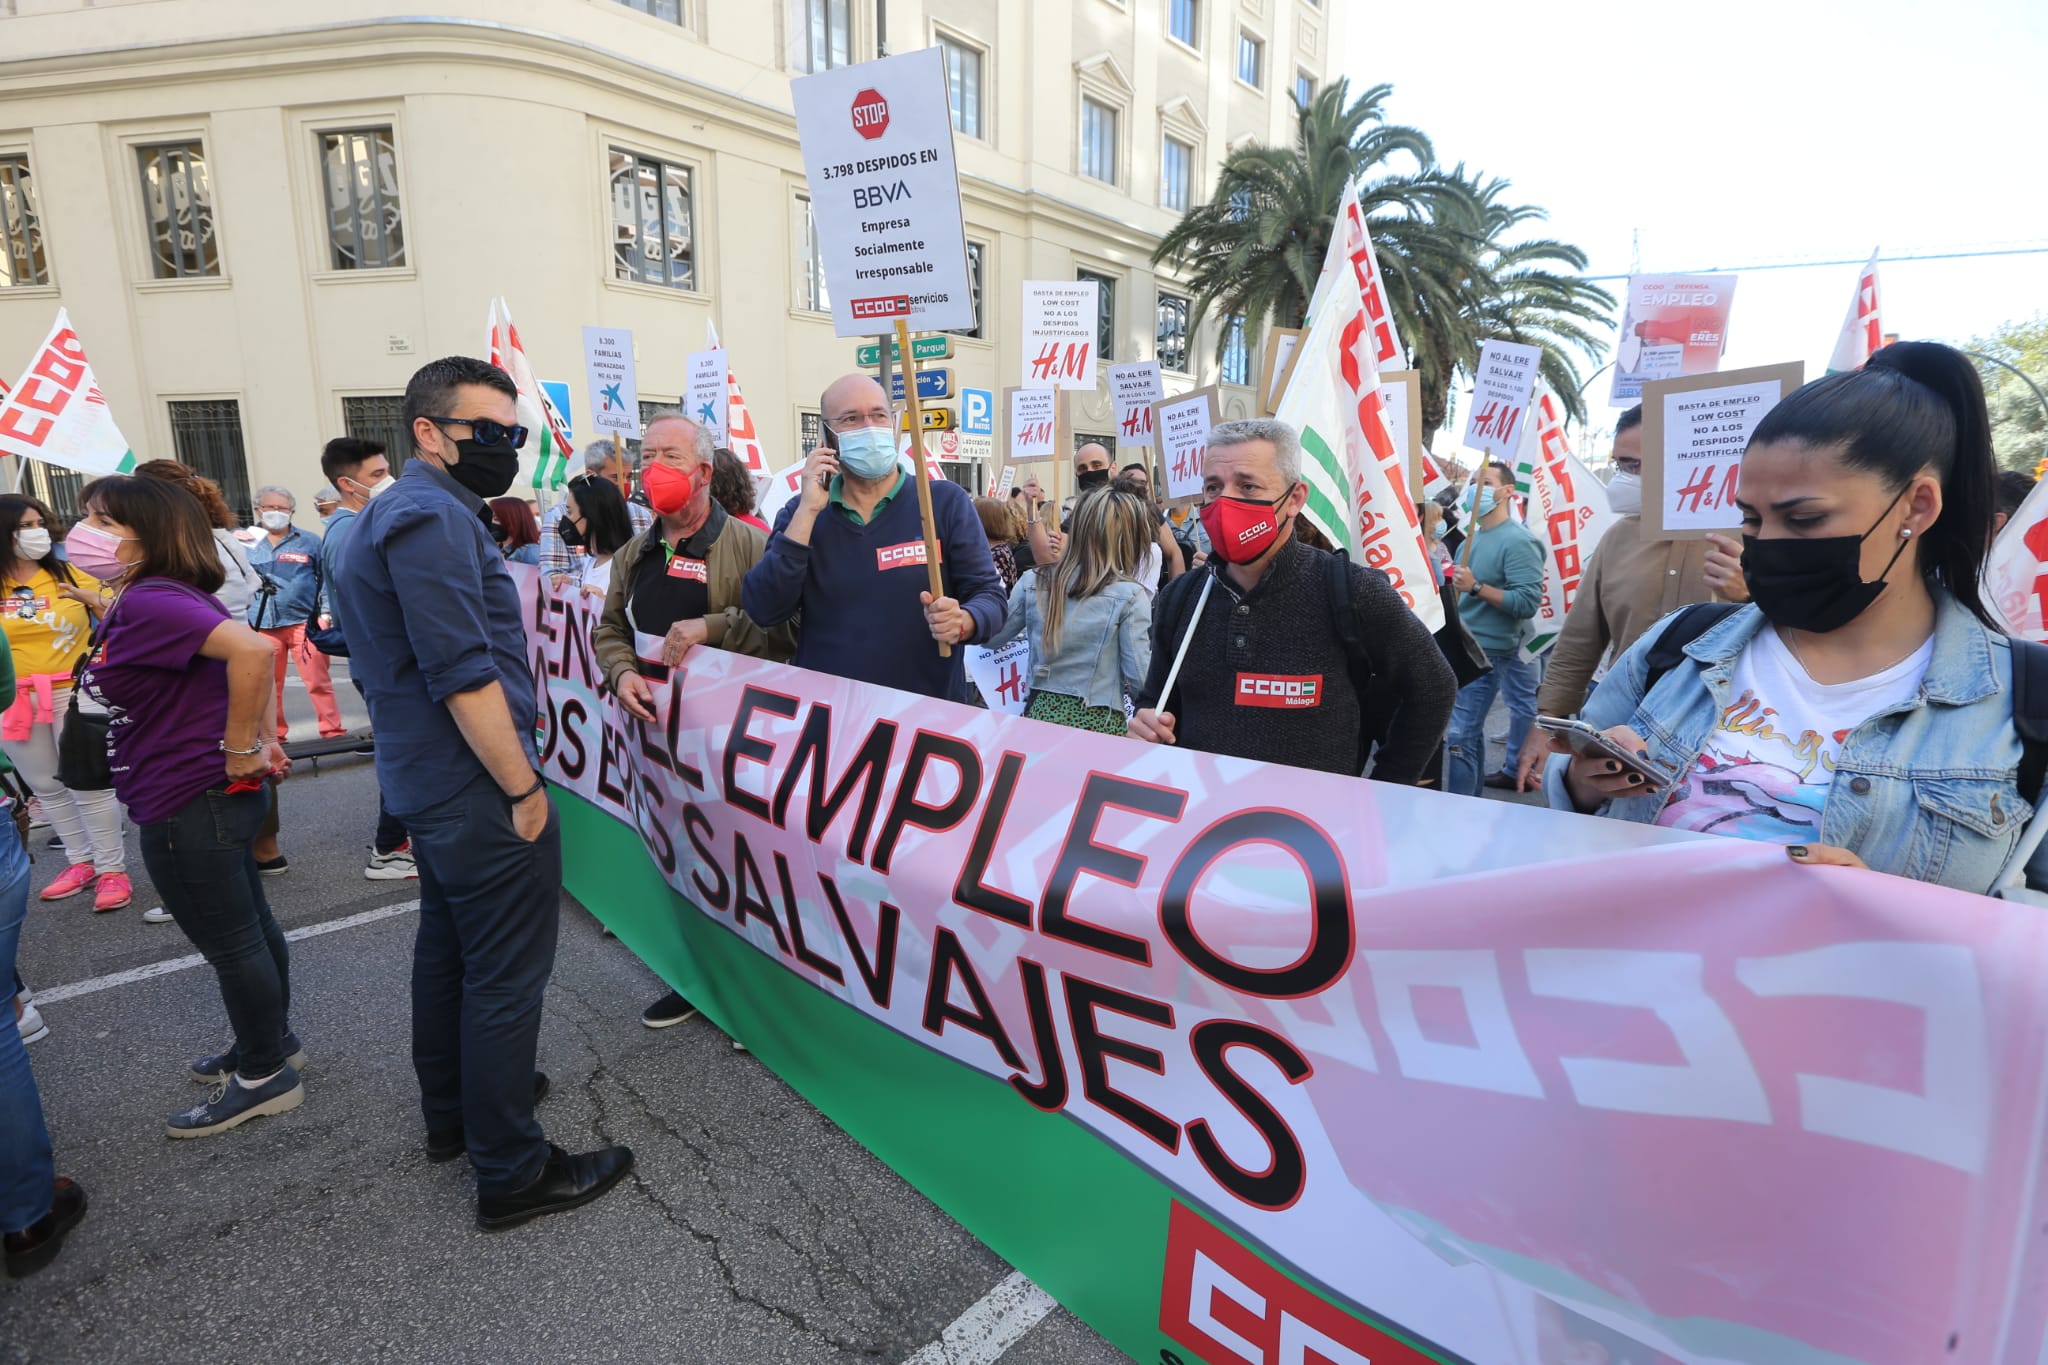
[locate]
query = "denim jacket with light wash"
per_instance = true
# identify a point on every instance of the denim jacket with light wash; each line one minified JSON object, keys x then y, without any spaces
{"x":1105,"y":641}
{"x":1926,"y":789}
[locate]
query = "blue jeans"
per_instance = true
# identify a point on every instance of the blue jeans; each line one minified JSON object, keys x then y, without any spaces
{"x":1465,"y":744}
{"x":490,"y":906}
{"x":200,"y":863}
{"x":27,"y":1174}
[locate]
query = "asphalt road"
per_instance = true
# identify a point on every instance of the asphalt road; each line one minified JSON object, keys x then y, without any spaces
{"x":753,"y":1231}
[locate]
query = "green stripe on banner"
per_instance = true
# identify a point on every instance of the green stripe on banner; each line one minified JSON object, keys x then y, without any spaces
{"x":127,"y":463}
{"x":1083,"y":1221}
{"x":1325,"y":511}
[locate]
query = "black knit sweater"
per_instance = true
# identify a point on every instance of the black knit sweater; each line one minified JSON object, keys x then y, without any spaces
{"x":1266,"y":675}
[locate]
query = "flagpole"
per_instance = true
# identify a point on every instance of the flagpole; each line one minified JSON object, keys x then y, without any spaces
{"x":907,"y":366}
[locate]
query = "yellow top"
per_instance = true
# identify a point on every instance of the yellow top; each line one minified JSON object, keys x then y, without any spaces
{"x":46,"y":630}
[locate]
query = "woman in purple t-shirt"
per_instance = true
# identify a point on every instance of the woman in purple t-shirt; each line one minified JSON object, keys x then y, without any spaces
{"x":189,"y":744}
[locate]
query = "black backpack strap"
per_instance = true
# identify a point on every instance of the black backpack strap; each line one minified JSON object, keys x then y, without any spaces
{"x":2030,"y":714}
{"x":1687,"y":624}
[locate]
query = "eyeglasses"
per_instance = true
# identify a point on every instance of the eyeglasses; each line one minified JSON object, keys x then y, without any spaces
{"x":848,"y":421}
{"x":487,"y":432}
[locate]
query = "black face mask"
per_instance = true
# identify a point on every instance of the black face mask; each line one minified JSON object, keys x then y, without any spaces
{"x":486,"y":471}
{"x":499,"y":533}
{"x":1813,"y":585}
{"x":570,"y":532}
{"x":1091,"y":478}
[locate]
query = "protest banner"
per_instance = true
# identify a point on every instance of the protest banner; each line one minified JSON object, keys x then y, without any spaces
{"x":1351,"y":245}
{"x":877,"y":141}
{"x":1035,"y":423}
{"x":1002,"y":676}
{"x":1060,"y":332}
{"x":2016,"y":571}
{"x":1283,"y":344}
{"x":1567,"y":510}
{"x":783,"y":485}
{"x":704,"y":390}
{"x":1183,"y":422}
{"x":547,"y":429}
{"x":1401,"y":401}
{"x":1863,"y":329}
{"x":613,"y":379}
{"x":1202,"y":1047}
{"x":1694,"y":433}
{"x":1133,"y":389}
{"x":57,"y":413}
{"x":1671,"y":326}
{"x":1502,"y":387}
{"x":740,"y":436}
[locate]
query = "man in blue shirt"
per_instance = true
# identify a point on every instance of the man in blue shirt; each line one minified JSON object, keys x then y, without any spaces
{"x":1500,"y":581}
{"x":437,"y":640}
{"x":287,"y":564}
{"x":849,"y":555}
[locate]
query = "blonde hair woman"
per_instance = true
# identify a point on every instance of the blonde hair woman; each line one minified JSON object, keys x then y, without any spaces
{"x":1087,"y":618}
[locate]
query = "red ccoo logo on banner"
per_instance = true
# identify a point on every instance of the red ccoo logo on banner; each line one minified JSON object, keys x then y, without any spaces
{"x":870,"y":114}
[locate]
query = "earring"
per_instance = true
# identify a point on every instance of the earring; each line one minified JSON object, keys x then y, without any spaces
{"x":1905,"y":533}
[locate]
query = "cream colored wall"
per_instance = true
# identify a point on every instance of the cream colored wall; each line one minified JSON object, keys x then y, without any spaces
{"x":504,"y":111}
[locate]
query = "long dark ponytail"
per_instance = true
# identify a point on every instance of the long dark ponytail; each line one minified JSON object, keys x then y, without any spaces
{"x":1916,"y":405}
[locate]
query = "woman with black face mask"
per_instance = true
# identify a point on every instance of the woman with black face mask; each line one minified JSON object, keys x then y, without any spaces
{"x":1860,"y":709}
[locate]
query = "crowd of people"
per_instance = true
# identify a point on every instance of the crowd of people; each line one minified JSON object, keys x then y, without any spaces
{"x":1830,"y":680}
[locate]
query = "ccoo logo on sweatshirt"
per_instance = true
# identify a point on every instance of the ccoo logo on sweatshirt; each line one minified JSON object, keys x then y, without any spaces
{"x":1281,"y":690}
{"x":910,"y":554}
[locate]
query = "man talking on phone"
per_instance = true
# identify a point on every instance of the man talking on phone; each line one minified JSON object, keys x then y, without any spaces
{"x":848,"y":554}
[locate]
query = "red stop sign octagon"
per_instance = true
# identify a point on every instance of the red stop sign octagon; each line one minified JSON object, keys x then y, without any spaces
{"x":870,"y":114}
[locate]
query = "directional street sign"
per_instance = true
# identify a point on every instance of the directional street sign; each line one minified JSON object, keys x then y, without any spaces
{"x":931,"y":384}
{"x":921,"y":348}
{"x":935,"y":419}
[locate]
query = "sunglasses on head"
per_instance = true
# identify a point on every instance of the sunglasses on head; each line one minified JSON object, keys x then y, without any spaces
{"x":487,"y":432}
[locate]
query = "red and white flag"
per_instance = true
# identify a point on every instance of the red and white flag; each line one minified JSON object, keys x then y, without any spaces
{"x":1863,"y":328}
{"x":2015,"y":584}
{"x":740,"y":436}
{"x":548,"y":430}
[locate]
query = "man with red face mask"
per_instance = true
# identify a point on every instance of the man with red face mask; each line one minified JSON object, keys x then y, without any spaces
{"x":1268,"y":674}
{"x":679,"y":581}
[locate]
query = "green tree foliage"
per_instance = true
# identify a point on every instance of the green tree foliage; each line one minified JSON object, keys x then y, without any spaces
{"x":2019,"y":424}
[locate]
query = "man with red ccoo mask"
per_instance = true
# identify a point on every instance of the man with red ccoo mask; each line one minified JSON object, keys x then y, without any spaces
{"x":679,"y":581}
{"x":1285,"y":642}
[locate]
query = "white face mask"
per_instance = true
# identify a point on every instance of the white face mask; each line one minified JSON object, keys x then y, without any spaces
{"x":1625,"y":494}
{"x":32,"y":543}
{"x":275,"y":521}
{"x":371,"y":490}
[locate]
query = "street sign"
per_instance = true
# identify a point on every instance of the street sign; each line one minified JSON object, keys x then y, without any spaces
{"x":977,"y":410}
{"x":921,"y":348}
{"x":935,"y":419}
{"x":931,"y":384}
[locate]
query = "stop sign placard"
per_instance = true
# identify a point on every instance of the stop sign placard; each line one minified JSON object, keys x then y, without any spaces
{"x":870,"y":114}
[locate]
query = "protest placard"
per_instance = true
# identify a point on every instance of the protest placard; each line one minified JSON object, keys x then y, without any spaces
{"x":609,"y":370}
{"x":1671,"y":326}
{"x":1135,"y":388}
{"x":885,"y":195}
{"x":704,"y":390}
{"x":1502,"y":387}
{"x":1059,"y":333}
{"x":1183,"y":424}
{"x":1694,"y":432}
{"x":1032,"y":430}
{"x":1283,"y":344}
{"x":1401,"y":400}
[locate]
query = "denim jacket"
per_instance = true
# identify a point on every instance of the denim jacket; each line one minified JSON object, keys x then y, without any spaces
{"x":1926,"y":790}
{"x":1105,"y":641}
{"x":292,"y":568}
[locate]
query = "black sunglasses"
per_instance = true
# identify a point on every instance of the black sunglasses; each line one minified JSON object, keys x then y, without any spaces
{"x":487,"y":432}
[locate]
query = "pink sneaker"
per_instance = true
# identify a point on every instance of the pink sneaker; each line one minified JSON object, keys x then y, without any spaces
{"x":114,"y":892}
{"x":75,"y":879}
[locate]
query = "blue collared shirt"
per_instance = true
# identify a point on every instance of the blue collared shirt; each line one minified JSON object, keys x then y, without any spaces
{"x":292,"y":569}
{"x":431,"y":612}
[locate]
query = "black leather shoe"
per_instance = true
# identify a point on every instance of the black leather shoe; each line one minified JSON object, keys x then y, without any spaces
{"x":566,"y":1182}
{"x":448,"y":1146}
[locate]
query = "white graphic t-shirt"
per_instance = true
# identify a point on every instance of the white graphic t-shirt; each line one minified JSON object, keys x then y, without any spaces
{"x":1767,"y":766}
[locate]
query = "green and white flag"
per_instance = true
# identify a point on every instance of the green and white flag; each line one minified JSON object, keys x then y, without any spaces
{"x":56,"y":413}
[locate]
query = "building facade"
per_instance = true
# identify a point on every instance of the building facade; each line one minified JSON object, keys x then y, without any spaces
{"x":264,"y":215}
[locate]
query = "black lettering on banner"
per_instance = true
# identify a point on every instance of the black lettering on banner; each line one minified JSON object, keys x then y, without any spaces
{"x":1093,"y":1049}
{"x":576,"y":648}
{"x":870,"y":768}
{"x":692,"y":779}
{"x":906,"y":810}
{"x":877,"y":973}
{"x":1051,"y":1093}
{"x":949,"y":960}
{"x":1080,"y":853}
{"x":824,"y":967}
{"x":652,"y":832}
{"x":650,"y":747}
{"x":739,"y":744}
{"x":543,"y":605}
{"x":698,"y":826}
{"x":747,"y":903}
{"x":1280,"y":1184}
{"x":612,"y":761}
{"x":551,"y":728}
{"x":970,"y":891}
{"x":550,"y":608}
{"x":1330,"y":933}
{"x":573,"y":758}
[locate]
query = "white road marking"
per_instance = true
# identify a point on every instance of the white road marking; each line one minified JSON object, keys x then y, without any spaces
{"x":179,"y":964}
{"x":990,"y":1326}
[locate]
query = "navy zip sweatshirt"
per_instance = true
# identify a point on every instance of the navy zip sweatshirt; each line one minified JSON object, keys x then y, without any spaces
{"x":857,"y":588}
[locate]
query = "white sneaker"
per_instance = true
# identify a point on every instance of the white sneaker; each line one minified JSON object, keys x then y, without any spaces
{"x":395,"y":866}
{"x":31,"y":1024}
{"x":156,"y":915}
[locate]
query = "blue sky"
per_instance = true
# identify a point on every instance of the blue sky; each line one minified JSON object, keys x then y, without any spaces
{"x":1747,"y":132}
